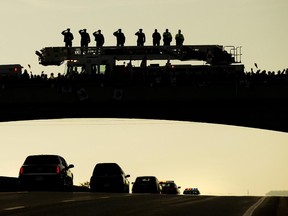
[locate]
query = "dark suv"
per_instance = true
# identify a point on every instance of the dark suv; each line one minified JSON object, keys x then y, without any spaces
{"x":45,"y":172}
{"x":146,"y":184}
{"x":109,"y":177}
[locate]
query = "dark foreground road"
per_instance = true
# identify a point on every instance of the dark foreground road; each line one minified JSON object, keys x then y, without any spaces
{"x":104,"y":204}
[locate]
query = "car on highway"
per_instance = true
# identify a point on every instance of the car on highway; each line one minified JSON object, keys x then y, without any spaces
{"x":45,"y":172}
{"x":169,"y":187}
{"x":109,"y":177}
{"x":146,"y":184}
{"x":192,"y":191}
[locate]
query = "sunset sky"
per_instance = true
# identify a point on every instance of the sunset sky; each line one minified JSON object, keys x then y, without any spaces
{"x":218,"y":159}
{"x":259,"y":26}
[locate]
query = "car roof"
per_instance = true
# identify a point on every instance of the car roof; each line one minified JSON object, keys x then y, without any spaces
{"x":112,"y":165}
{"x":32,"y":159}
{"x":146,"y":177}
{"x":104,"y":168}
{"x":43,"y":155}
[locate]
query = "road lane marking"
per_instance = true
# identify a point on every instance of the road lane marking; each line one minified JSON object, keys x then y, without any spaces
{"x":177,"y":201}
{"x":67,"y":201}
{"x":252,"y":208}
{"x":80,"y":199}
{"x":14,"y":208}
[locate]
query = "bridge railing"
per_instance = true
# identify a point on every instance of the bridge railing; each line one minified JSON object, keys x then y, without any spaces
{"x":235,"y":52}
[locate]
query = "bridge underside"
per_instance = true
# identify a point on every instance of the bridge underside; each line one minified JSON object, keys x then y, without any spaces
{"x":262,"y":114}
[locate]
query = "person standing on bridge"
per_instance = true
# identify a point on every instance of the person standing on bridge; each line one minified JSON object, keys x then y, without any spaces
{"x":156,"y":38}
{"x":179,"y":38}
{"x":99,"y":38}
{"x":68,"y":37}
{"x":141,"y":37}
{"x":85,"y":38}
{"x":167,"y":38}
{"x":120,"y":37}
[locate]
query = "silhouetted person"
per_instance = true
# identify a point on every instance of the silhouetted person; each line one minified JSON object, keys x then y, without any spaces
{"x":85,"y":38}
{"x":25,"y":75}
{"x":68,"y":37}
{"x":52,"y":77}
{"x":141,"y":37}
{"x":99,"y":38}
{"x":156,"y":38}
{"x":179,"y":38}
{"x":120,"y":37}
{"x":167,"y":38}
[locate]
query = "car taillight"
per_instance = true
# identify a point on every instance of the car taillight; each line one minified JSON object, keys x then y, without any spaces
{"x":21,"y":171}
{"x":58,"y":170}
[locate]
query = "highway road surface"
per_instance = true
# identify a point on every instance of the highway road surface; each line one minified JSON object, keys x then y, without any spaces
{"x":107,"y":204}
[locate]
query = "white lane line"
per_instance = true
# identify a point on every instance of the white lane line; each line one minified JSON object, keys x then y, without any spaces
{"x":83,"y":199}
{"x":63,"y":201}
{"x":67,"y":201}
{"x":104,"y":197}
{"x":250,"y":211}
{"x":14,"y":208}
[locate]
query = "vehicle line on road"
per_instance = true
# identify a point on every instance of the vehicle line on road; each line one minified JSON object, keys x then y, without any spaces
{"x":252,"y":208}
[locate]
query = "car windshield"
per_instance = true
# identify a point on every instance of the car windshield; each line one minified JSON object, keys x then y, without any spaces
{"x":145,"y":180}
{"x":42,"y":159}
{"x":168,"y":185}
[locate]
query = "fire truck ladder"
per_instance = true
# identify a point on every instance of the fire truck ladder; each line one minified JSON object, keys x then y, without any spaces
{"x":57,"y":55}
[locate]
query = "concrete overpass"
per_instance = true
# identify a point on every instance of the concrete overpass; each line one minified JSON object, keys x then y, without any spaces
{"x":256,"y":108}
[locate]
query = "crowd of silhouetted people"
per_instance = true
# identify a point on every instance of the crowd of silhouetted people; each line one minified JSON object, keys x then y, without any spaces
{"x":263,"y":77}
{"x":158,"y":76}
